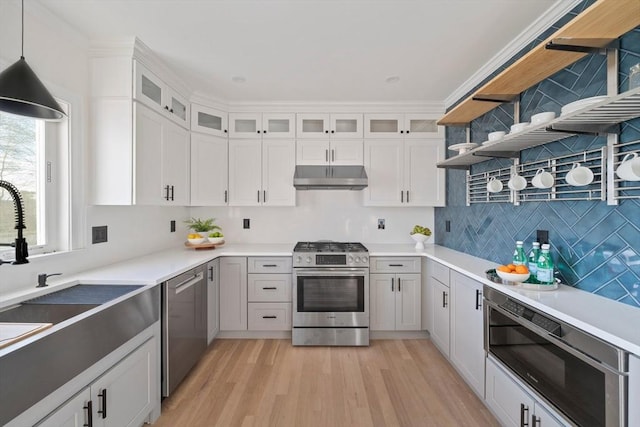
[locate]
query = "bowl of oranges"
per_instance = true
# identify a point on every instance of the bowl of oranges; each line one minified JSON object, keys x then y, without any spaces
{"x":513,"y":273}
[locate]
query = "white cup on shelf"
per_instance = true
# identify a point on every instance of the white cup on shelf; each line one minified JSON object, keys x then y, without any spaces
{"x":517,"y":182}
{"x":542,"y":179}
{"x":629,"y":168}
{"x":494,"y":185}
{"x":579,"y":176}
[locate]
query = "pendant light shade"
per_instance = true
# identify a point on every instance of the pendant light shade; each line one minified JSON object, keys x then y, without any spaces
{"x":22,"y":92}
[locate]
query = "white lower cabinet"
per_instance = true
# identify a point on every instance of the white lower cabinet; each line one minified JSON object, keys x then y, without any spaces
{"x":634,"y":390}
{"x":269,"y":293}
{"x":269,"y":316}
{"x":466,"y":339}
{"x":395,"y":302}
{"x":121,"y":397}
{"x":233,"y":294}
{"x":213,"y":299}
{"x":438,"y":287}
{"x":511,"y":404}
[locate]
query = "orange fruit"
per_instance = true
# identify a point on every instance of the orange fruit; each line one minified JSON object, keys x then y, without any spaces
{"x":522,"y":269}
{"x":511,"y":267}
{"x":504,"y":268}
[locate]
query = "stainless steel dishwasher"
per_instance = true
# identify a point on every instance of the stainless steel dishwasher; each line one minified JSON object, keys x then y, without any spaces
{"x":184,"y":326}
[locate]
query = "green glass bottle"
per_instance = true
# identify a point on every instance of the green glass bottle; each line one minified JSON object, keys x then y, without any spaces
{"x":519,"y":257}
{"x":544,"y":272}
{"x":533,"y":258}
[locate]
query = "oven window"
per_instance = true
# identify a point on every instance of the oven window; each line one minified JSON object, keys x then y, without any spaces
{"x":330,"y":294}
{"x":573,"y":386}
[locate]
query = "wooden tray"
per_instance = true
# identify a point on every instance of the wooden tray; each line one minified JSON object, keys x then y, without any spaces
{"x":203,"y":245}
{"x":14,"y":332}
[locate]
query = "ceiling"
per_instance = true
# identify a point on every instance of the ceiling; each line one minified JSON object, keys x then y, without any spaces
{"x":313,"y":50}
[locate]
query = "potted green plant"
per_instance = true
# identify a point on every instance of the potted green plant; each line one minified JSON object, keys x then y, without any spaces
{"x":202,"y":226}
{"x":419,"y":235}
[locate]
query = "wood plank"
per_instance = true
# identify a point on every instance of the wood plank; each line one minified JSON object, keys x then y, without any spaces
{"x":11,"y":332}
{"x":605,"y":19}
{"x":271,"y":383}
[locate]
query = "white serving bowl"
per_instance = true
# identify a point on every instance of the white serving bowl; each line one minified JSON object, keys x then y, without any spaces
{"x":216,"y":240}
{"x":538,"y":119}
{"x":512,"y":277}
{"x":519,"y":127}
{"x":196,"y":241}
{"x":496,"y":136}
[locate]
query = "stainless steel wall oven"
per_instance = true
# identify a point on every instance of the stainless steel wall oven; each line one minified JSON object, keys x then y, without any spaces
{"x":583,"y":377}
{"x":330,"y":294}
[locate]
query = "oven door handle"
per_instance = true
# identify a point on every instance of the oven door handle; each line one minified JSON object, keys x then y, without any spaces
{"x":552,"y":338}
{"x":332,"y":272}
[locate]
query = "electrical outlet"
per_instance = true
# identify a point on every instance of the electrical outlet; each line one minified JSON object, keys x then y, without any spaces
{"x":245,"y":223}
{"x":173,"y":226}
{"x":542,"y":236}
{"x":380,"y":224}
{"x":447,"y":226}
{"x":99,"y":234}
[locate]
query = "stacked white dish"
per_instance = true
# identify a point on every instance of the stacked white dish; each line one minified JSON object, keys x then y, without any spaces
{"x":463,"y":148}
{"x":540,"y":118}
{"x":519,"y":127}
{"x":581,"y":103}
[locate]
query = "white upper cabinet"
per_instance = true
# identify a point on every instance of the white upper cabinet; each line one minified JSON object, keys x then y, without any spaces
{"x":415,"y":126}
{"x":208,"y":120}
{"x":325,"y":126}
{"x":209,"y":170}
{"x":329,"y":152}
{"x":256,"y":125}
{"x":383,"y":161}
{"x":152,"y":91}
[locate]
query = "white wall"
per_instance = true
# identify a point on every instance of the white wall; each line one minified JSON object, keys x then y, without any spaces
{"x":319,"y":214}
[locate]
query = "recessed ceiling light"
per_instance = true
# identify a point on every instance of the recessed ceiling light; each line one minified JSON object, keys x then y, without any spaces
{"x":392,"y":79}
{"x":238,"y":79}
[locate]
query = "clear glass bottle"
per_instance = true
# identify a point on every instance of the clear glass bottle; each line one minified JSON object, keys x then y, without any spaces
{"x":544,"y":273}
{"x":519,"y":257}
{"x":634,"y":76}
{"x":533,"y":258}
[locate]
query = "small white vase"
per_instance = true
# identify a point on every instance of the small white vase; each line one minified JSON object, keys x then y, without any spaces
{"x":419,"y":239}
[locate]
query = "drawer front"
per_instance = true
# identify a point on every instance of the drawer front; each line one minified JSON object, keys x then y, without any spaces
{"x":438,"y":272}
{"x":269,"y":265}
{"x":269,"y":316}
{"x":395,"y":264}
{"x":269,"y":287}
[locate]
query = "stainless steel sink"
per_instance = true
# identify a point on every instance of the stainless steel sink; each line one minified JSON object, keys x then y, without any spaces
{"x":43,"y":313}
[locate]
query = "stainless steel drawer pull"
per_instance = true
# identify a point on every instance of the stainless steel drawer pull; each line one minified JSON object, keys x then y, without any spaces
{"x":188,"y":283}
{"x":269,"y":317}
{"x":270,"y":288}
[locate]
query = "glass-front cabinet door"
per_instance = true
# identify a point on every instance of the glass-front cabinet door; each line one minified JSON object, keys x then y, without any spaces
{"x":178,"y":107}
{"x":383,"y":125}
{"x":345,"y":126}
{"x":245,"y":125}
{"x":312,"y":125}
{"x":422,"y":126}
{"x":208,"y":120}
{"x":149,"y":89}
{"x":279,"y":125}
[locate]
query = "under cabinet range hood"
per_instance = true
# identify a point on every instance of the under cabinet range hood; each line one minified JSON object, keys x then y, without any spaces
{"x":308,"y":177}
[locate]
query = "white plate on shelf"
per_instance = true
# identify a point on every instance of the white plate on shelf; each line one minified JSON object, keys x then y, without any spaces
{"x":581,"y":103}
{"x":464,"y":147}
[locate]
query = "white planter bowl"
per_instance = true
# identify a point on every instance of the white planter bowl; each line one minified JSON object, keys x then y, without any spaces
{"x":512,"y":277}
{"x":216,"y":240}
{"x":419,"y":239}
{"x":196,"y":241}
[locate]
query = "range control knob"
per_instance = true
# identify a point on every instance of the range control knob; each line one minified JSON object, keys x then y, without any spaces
{"x":298,"y":259}
{"x":357,"y":259}
{"x":364,"y":259}
{"x":350,"y":259}
{"x":308,"y":260}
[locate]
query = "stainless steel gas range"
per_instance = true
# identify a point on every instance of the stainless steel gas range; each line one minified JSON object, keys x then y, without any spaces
{"x":330,"y":294}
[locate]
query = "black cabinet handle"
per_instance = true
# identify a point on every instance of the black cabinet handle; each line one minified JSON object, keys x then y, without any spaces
{"x":269,"y":317}
{"x":225,"y":196}
{"x":333,"y":131}
{"x":333,"y":155}
{"x":524,"y":414}
{"x":407,"y":196}
{"x":326,"y":155}
{"x":444,"y":299}
{"x":172,"y":193}
{"x":269,"y":265}
{"x":211,"y":274}
{"x":536,"y":421}
{"x":89,"y":409}
{"x":264,"y":196}
{"x":396,"y":265}
{"x":392,"y":284}
{"x":407,"y":131}
{"x":401,"y":131}
{"x":478,"y":299}
{"x":171,"y":110}
{"x":326,"y":131}
{"x":258,"y":131}
{"x":103,"y":395}
{"x":270,"y":288}
{"x":399,"y":288}
{"x":401,"y":196}
{"x":258,"y":196}
{"x":166,"y":107}
{"x":225,"y":131}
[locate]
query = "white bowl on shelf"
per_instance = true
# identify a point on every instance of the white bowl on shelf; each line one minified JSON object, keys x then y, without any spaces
{"x":512,"y":277}
{"x":540,"y":118}
{"x":519,"y":127}
{"x":496,"y":136}
{"x":419,"y":239}
{"x":464,"y":147}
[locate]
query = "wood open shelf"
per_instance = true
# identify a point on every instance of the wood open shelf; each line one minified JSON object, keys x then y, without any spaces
{"x":602,"y":22}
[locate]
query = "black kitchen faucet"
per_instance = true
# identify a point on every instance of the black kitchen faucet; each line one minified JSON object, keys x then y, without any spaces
{"x":20,"y":244}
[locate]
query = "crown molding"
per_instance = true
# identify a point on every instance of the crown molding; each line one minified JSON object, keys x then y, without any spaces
{"x":546,"y":20}
{"x":430,"y":107}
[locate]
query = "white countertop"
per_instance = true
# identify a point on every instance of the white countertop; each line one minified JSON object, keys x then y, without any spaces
{"x":612,"y":321}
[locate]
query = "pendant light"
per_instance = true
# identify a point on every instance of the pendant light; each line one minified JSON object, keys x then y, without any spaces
{"x":22,"y":92}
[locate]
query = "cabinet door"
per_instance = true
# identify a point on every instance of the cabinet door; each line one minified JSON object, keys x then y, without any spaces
{"x":233,"y":294}
{"x":508,"y":402}
{"x":129,"y":388}
{"x":245,"y":125}
{"x":175,"y":163}
{"x":421,"y":126}
{"x":148,"y":89}
{"x":424,"y":183}
{"x":209,"y":170}
{"x":467,"y":352}
{"x":408,"y":299}
{"x":348,"y":152}
{"x":213,"y":299}
{"x":149,"y":133}
{"x":278,"y":165}
{"x":269,"y":287}
{"x":634,"y":390}
{"x":177,"y":106}
{"x":312,"y":152}
{"x":383,"y":125}
{"x":278,"y":125}
{"x":544,"y":418}
{"x":208,"y":120}
{"x":72,"y":413}
{"x":383,"y":163}
{"x":245,"y":172}
{"x":312,"y":126}
{"x":440,"y":312}
{"x":346,"y":126}
{"x":382,"y":301}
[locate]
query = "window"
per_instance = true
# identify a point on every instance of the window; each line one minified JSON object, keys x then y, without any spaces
{"x":29,"y":151}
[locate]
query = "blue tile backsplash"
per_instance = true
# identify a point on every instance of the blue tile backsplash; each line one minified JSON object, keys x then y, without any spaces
{"x":596,"y":247}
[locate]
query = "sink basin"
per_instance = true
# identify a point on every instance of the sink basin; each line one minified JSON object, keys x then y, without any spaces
{"x":43,"y":313}
{"x":84,"y":294}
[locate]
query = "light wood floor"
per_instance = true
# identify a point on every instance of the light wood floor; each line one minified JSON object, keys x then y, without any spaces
{"x":271,"y":383}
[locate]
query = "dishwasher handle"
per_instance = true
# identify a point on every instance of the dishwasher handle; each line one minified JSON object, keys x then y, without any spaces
{"x":183,"y":286}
